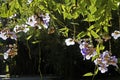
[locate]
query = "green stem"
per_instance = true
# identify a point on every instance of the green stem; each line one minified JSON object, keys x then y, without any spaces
{"x":110,"y":48}
{"x":28,"y":50}
{"x":74,"y":31}
{"x":95,"y":72}
{"x":41,"y":78}
{"x":119,"y":15}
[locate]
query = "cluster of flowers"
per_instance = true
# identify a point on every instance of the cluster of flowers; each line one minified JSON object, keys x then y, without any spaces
{"x":6,"y":33}
{"x":104,"y":60}
{"x":12,"y":51}
{"x":88,"y":51}
{"x":36,"y":21}
{"x":86,"y":47}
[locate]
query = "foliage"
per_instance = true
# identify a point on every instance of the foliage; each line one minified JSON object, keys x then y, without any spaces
{"x":66,"y":19}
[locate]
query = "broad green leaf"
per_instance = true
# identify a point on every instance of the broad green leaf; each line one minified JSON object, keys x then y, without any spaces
{"x":88,"y":74}
{"x":94,"y":34}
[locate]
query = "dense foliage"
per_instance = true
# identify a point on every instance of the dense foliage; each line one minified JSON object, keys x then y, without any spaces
{"x":88,"y":23}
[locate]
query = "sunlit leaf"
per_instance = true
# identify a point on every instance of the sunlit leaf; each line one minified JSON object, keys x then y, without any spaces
{"x":105,"y":28}
{"x":34,"y":42}
{"x":98,"y":49}
{"x":92,"y":9}
{"x":89,"y":34}
{"x":81,"y":34}
{"x":102,"y":47}
{"x":94,"y":34}
{"x":88,"y":74}
{"x":96,"y":71}
{"x":91,"y":27}
{"x":29,"y":37}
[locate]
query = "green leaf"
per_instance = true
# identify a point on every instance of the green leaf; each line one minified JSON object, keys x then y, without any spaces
{"x":102,"y":47}
{"x":67,"y":1}
{"x":92,"y":9}
{"x":64,"y":31}
{"x":93,"y":2}
{"x":88,"y":34}
{"x":75,"y":15}
{"x":73,"y":23}
{"x":94,"y":57}
{"x":91,"y":27}
{"x":91,"y":18}
{"x":63,"y":7}
{"x":1,"y":54}
{"x":81,"y":34}
{"x":98,"y":49}
{"x":118,"y":60}
{"x":96,"y":71}
{"x":88,"y":74}
{"x":94,"y":34}
{"x":105,"y":28}
{"x":28,"y":37}
{"x":34,"y":42}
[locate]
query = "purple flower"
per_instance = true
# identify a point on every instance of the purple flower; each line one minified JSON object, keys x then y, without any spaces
{"x":84,"y":51}
{"x":104,"y":60}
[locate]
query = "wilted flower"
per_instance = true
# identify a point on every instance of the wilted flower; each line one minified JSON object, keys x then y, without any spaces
{"x":69,"y":41}
{"x":116,"y":34}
